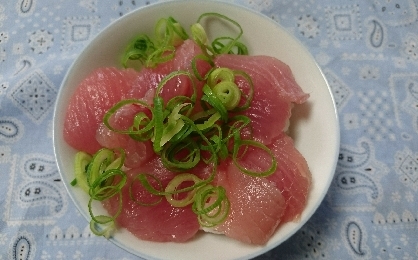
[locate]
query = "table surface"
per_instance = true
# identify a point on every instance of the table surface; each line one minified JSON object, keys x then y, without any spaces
{"x":368,"y":51}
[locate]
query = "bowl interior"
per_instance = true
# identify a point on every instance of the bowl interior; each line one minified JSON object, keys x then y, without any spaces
{"x":314,"y":124}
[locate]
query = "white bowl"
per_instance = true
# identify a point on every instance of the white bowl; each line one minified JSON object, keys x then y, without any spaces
{"x":314,"y":127}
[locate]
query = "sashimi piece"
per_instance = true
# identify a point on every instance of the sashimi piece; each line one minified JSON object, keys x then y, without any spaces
{"x":161,"y":222}
{"x":93,"y":97}
{"x":266,"y":71}
{"x":275,"y":89}
{"x":292,"y":177}
{"x":257,"y":207}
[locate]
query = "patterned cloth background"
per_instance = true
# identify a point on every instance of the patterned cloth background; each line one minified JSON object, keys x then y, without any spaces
{"x":368,"y":50}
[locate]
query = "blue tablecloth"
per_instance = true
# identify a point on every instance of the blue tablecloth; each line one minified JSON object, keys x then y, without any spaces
{"x":368,"y":50}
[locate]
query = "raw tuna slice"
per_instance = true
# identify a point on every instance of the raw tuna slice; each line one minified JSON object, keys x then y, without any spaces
{"x":160,"y":223}
{"x":259,"y":205}
{"x":268,"y":72}
{"x":275,"y":89}
{"x":92,"y":98}
{"x":292,"y":177}
{"x":256,"y":210}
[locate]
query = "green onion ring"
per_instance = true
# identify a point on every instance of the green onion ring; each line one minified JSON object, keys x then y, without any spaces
{"x":173,"y":185}
{"x":256,"y":144}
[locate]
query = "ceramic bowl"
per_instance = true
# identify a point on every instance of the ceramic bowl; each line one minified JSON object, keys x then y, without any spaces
{"x":314,"y":125}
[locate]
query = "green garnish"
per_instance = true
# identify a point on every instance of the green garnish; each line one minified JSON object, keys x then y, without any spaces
{"x":102,"y":178}
{"x":168,"y":35}
{"x":172,"y":189}
{"x":211,"y":205}
{"x":220,"y":45}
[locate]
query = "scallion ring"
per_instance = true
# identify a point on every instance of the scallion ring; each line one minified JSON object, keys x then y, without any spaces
{"x":251,"y":143}
{"x":173,"y":187}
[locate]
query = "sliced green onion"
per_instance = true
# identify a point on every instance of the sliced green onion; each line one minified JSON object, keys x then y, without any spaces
{"x":174,"y":124}
{"x":179,"y":30}
{"x":161,"y":55}
{"x":184,"y":132}
{"x":211,"y":148}
{"x":142,"y":124}
{"x":102,"y":219}
{"x":211,"y":205}
{"x":102,"y":189}
{"x":159,"y":123}
{"x":189,"y":160}
{"x":220,"y":75}
{"x":228,"y":93}
{"x":202,"y":115}
{"x":255,"y":144}
{"x":103,"y":225}
{"x":204,"y":58}
{"x":234,"y":46}
{"x":179,"y":101}
{"x":222,"y":83}
{"x":139,"y":49}
{"x":214,"y":135}
{"x":101,"y":177}
{"x":209,"y":122}
{"x":82,"y":160}
{"x":99,"y":164}
{"x":215,"y":102}
{"x":200,"y":37}
{"x":199,"y":34}
{"x":105,"y":230}
{"x":236,"y":125}
{"x":169,"y":32}
{"x":173,"y":186}
{"x":232,"y":43}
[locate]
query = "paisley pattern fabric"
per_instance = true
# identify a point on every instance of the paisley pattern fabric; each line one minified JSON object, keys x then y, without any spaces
{"x":368,"y":50}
